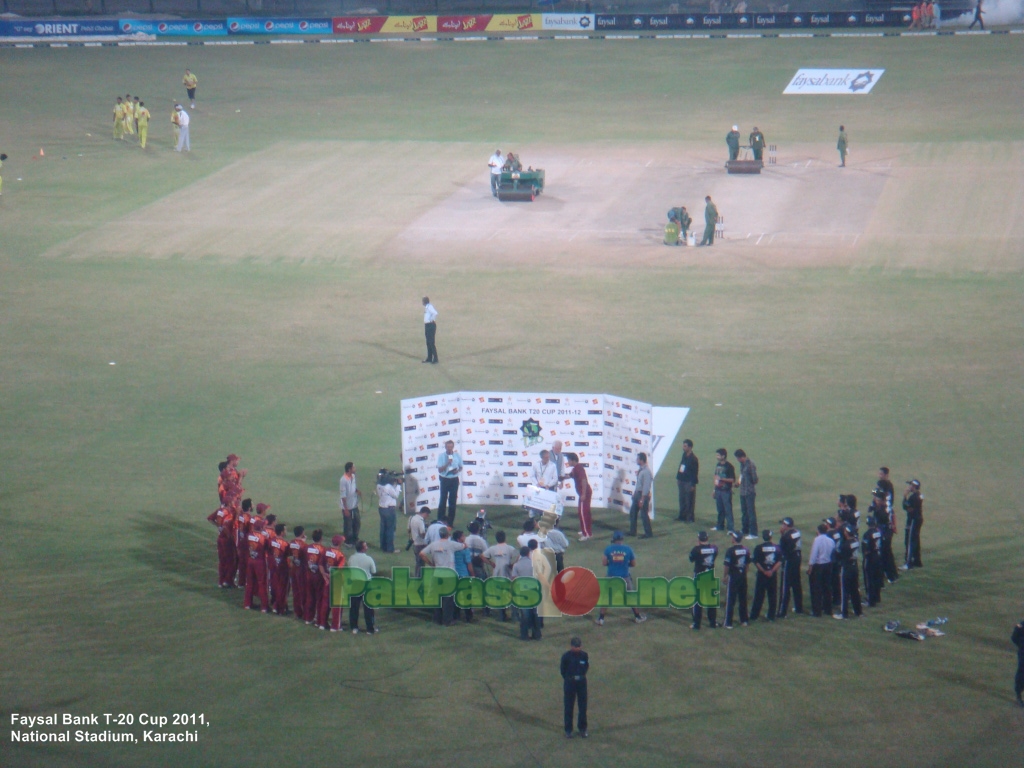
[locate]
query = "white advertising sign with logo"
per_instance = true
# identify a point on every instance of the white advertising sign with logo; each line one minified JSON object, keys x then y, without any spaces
{"x":576,"y":22}
{"x":833,"y":81}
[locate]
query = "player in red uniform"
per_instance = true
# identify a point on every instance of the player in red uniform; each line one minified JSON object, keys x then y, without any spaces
{"x":223,"y":518}
{"x":297,"y":567}
{"x":268,"y":535}
{"x":256,"y":565}
{"x":584,"y":493}
{"x":316,"y":553}
{"x":335,"y":559}
{"x":221,"y":482}
{"x":277,"y":561}
{"x":243,"y":528}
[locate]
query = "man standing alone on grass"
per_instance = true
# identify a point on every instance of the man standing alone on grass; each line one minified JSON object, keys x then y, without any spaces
{"x":913,"y":506}
{"x":710,"y":219}
{"x":748,"y":494}
{"x":349,"y":503}
{"x":190,"y":82}
{"x":574,"y":667}
{"x":1018,"y":682}
{"x":686,"y":479}
{"x":430,"y":330}
{"x":841,"y":145}
{"x":641,"y":505}
{"x":183,"y":138}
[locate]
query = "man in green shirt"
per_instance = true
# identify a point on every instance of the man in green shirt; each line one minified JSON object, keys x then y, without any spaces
{"x":841,"y":146}
{"x":757,"y":143}
{"x":732,"y":138}
{"x":710,"y":219}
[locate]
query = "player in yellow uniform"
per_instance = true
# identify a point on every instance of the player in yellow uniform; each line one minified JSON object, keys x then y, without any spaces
{"x":174,"y":124}
{"x":129,"y":115}
{"x":142,"y":116}
{"x":2,"y":158}
{"x":190,"y":82}
{"x":135,"y":112}
{"x":119,"y":120}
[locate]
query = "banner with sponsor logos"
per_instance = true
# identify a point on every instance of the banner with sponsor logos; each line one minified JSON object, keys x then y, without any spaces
{"x":515,"y":22}
{"x":254,"y":26}
{"x":833,"y":81}
{"x":409,"y":24}
{"x":709,"y":22}
{"x":500,"y":435}
{"x":178,"y":27}
{"x":473,"y":23}
{"x":357,"y":25}
{"x":50,"y":28}
{"x":573,"y":22}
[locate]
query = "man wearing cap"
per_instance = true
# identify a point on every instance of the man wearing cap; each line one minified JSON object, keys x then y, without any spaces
{"x":871,"y":554}
{"x":850,"y":581}
{"x":256,"y":567}
{"x":316,"y":577}
{"x":618,"y":559}
{"x":495,"y":164}
{"x":297,"y":567}
{"x":913,"y":506}
{"x":792,"y":558}
{"x":725,"y":478}
{"x":686,"y":479}
{"x":333,"y":558}
{"x":881,"y":510}
{"x":819,"y":571}
{"x":277,"y":561}
{"x":574,"y":667}
{"x":732,"y":139}
{"x":768,"y":562}
{"x":748,"y":494}
{"x":703,"y":558}
{"x":1018,"y":681}
{"x":349,"y":499}
{"x":737,"y":558}
{"x":885,"y":484}
{"x":641,"y":504}
{"x":243,"y":526}
{"x":223,"y":518}
{"x":364,"y":562}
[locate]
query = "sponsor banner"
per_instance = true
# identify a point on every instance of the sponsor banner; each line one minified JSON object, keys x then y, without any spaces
{"x":576,"y":22}
{"x":357,"y":25}
{"x":833,"y":81}
{"x":477,"y":23}
{"x":608,"y":21}
{"x":247,"y":26}
{"x":193,"y":28}
{"x":34,"y":28}
{"x":514,"y":22}
{"x":409,"y":24}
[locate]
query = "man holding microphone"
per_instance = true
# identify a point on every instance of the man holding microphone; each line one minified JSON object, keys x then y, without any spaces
{"x":449,"y":466}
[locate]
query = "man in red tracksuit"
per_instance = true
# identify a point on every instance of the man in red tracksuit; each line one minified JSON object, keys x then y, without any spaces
{"x":277,"y":561}
{"x":584,"y":493}
{"x":242,"y":530}
{"x":297,"y":567}
{"x":256,"y":565}
{"x":316,"y":554}
{"x":335,"y":559}
{"x":225,"y":522}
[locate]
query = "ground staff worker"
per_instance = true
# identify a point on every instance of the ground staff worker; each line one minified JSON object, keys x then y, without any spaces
{"x":686,"y":479}
{"x":710,"y":219}
{"x":575,"y":665}
{"x":792,"y":558}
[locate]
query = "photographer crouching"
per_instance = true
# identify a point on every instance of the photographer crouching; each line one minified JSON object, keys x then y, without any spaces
{"x":389,"y":489}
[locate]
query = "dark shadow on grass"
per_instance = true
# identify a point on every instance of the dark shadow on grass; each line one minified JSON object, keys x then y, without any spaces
{"x":325,"y":479}
{"x":182,"y":552}
{"x":390,"y":350}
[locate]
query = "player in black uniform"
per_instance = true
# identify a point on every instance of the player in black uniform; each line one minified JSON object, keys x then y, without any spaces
{"x":852,"y":515}
{"x":836,"y":590}
{"x":879,"y":509}
{"x":913,"y":506}
{"x":703,"y":558}
{"x":737,"y":558}
{"x":1018,"y":681}
{"x":768,"y":562}
{"x":575,"y":665}
{"x":871,"y":551}
{"x":847,"y":549}
{"x":884,"y":484}
{"x":792,"y":558}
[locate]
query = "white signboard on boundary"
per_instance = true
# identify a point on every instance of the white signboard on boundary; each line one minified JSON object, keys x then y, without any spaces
{"x":500,"y":435}
{"x":575,"y":22}
{"x":814,"y":82}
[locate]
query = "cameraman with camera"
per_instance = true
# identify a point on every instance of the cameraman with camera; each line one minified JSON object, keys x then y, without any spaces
{"x":389,"y":488}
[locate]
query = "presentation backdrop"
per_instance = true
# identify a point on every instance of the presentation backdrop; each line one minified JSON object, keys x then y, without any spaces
{"x":500,"y":436}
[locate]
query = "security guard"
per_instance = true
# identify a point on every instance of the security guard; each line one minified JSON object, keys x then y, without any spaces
{"x":792,"y":559}
{"x":703,"y":558}
{"x":575,"y":664}
{"x":847,"y":549}
{"x":1018,"y":681}
{"x":881,"y":511}
{"x":913,"y":506}
{"x":768,"y":562}
{"x":737,"y":558}
{"x":871,"y":552}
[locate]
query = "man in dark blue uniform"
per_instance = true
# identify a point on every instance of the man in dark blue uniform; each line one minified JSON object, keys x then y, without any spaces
{"x":834,"y":530}
{"x":847,"y":549}
{"x":768,"y":562}
{"x":871,"y":551}
{"x":703,"y":558}
{"x":792,"y":559}
{"x":737,"y":558}
{"x":913,"y":505}
{"x":1018,"y":681}
{"x":575,"y":665}
{"x":880,"y":510}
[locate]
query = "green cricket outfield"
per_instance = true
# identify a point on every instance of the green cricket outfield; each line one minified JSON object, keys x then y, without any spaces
{"x":260,"y":295}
